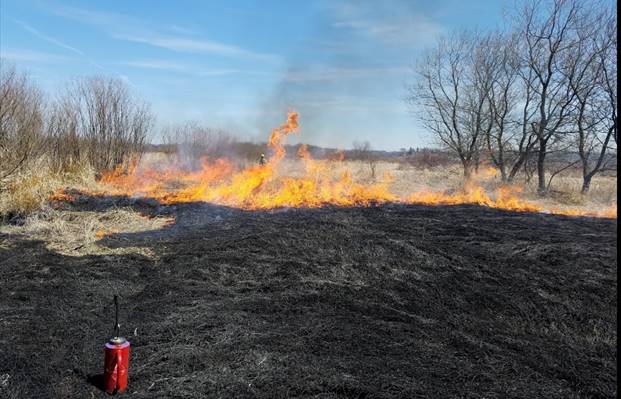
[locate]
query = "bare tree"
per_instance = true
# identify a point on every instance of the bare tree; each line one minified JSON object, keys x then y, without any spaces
{"x":548,"y":30}
{"x":102,"y":122}
{"x":193,"y":141}
{"x":453,"y":92}
{"x":21,"y":120}
{"x":609,"y":76}
{"x":587,"y":70}
{"x":67,"y":148}
{"x":363,"y":152}
{"x":510,"y":140}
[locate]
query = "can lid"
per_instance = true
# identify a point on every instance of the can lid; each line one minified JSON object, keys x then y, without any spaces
{"x":117,"y":340}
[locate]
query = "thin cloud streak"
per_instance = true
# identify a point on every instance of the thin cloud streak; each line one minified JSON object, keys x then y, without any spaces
{"x":394,"y":23}
{"x":183,"y":44}
{"x":24,"y":55}
{"x":56,"y":42}
{"x":169,"y":66}
{"x":47,"y":38}
{"x":155,"y":64}
{"x":415,"y":30}
{"x":99,"y":18}
{"x":353,"y":105}
{"x":177,"y":40}
{"x":337,"y":74}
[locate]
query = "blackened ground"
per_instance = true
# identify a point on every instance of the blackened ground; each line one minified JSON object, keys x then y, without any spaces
{"x":380,"y":302}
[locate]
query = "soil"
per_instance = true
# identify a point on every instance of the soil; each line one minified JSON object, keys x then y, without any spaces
{"x":388,"y":301}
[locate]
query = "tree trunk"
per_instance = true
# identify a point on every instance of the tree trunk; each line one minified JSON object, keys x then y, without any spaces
{"x":541,"y":168}
{"x":467,"y":169}
{"x":503,"y":173}
{"x":514,"y":170}
{"x":586,"y":183}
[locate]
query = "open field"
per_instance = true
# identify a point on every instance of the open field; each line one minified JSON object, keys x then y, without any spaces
{"x":565,"y":188}
{"x":386,"y":301}
{"x":406,"y":178}
{"x":344,"y":199}
{"x":31,"y":190}
{"x":389,"y":300}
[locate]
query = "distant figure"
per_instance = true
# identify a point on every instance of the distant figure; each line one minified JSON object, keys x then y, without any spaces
{"x":262,"y":160}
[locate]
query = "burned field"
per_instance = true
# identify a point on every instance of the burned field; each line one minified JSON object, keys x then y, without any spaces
{"x":386,"y":301}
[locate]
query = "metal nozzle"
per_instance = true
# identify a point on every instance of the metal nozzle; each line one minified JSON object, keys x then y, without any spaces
{"x":117,"y":326}
{"x":117,"y":340}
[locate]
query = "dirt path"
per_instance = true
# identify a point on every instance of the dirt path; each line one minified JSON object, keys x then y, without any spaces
{"x":391,"y":301}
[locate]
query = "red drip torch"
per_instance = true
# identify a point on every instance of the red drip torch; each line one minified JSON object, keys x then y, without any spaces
{"x":116,"y":363}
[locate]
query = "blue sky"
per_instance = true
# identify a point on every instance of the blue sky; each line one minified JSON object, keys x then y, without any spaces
{"x":240,"y":65}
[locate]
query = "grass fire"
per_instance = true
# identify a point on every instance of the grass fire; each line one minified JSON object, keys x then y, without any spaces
{"x":319,"y":183}
{"x":301,"y":212}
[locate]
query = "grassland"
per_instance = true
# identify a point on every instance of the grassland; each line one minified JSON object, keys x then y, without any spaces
{"x":386,"y":301}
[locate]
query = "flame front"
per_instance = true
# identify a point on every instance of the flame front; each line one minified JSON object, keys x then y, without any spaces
{"x":268,"y":186}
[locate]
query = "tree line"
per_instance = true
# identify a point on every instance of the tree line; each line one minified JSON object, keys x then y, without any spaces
{"x":94,"y":121}
{"x":545,"y":84}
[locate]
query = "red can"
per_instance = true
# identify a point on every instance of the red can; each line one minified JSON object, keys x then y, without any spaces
{"x":116,"y":365}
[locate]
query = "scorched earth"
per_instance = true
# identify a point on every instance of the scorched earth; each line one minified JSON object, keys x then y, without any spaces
{"x":383,"y":301}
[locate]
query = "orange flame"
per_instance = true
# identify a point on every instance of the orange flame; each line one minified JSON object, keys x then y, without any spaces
{"x":61,"y":196}
{"x":267,"y":186}
{"x":99,"y":234}
{"x":505,"y":198}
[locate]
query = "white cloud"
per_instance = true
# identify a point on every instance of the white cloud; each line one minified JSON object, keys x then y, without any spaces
{"x":350,"y":103}
{"x":155,"y":64}
{"x":24,"y":55}
{"x":337,"y":74}
{"x":183,"y":44}
{"x":394,"y":23}
{"x":170,"y":66}
{"x":92,"y":17}
{"x":132,"y":29}
{"x":181,"y":29}
{"x":48,"y":38}
{"x":56,"y":42}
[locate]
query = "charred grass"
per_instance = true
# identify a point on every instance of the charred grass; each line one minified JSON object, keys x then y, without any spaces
{"x":381,"y":302}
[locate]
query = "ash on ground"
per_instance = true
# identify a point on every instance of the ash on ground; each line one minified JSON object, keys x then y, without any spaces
{"x":386,"y":301}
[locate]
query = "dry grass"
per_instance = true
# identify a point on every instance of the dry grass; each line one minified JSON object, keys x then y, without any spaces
{"x":77,"y":233}
{"x":405,"y":179}
{"x":564,"y":191}
{"x":30,"y":190}
{"x":603,"y":188}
